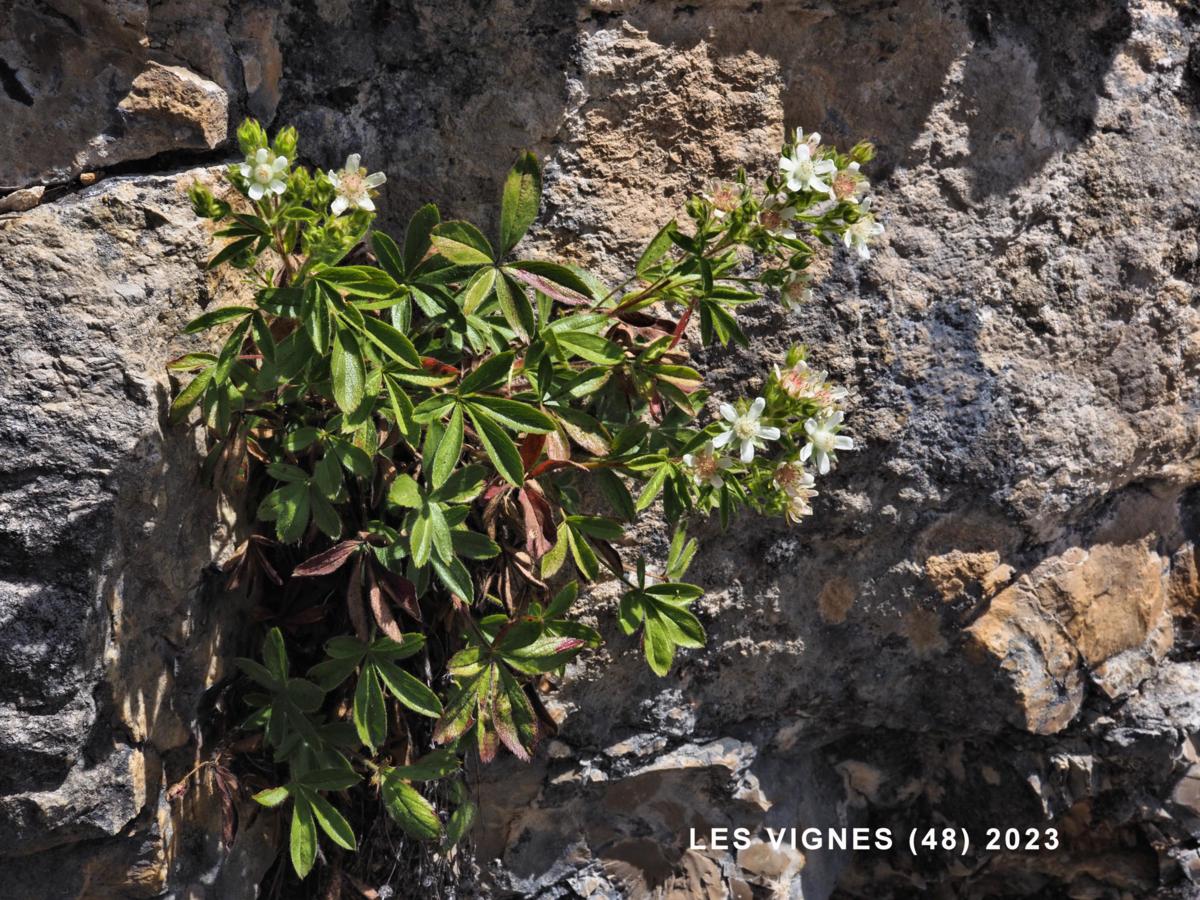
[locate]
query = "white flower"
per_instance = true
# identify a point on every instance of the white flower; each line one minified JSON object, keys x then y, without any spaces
{"x":797,"y":487}
{"x":823,"y":440}
{"x":813,"y":140}
{"x":264,"y":171}
{"x":796,"y":291}
{"x":778,"y":217}
{"x":798,"y":507}
{"x":746,"y":428}
{"x":707,"y":465}
{"x":848,"y":184}
{"x":805,"y":173}
{"x":860,"y":235}
{"x":354,"y":186}
{"x":801,"y":382}
{"x":725,"y":197}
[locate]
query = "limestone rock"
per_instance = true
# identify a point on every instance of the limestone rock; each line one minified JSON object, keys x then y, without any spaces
{"x":110,"y":631}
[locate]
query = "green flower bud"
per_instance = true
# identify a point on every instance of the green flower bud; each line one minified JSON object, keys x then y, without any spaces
{"x":285,"y":142}
{"x":251,"y":137}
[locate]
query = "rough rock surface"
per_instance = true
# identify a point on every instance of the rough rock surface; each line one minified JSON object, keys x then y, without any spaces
{"x":990,"y":621}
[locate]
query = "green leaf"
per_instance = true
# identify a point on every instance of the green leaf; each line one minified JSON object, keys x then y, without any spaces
{"x":463,"y":486}
{"x":416,"y":238}
{"x":370,"y":714}
{"x":653,"y":487}
{"x":492,"y":372}
{"x":420,"y":540}
{"x":518,"y":416}
{"x":430,"y":767}
{"x":519,"y":205}
{"x":462,"y":244}
{"x":275,"y":654}
{"x":271,"y":796}
{"x":460,"y":823}
{"x":190,"y":396}
{"x":408,"y":690}
{"x":499,"y":446}
{"x":584,"y":556}
{"x":658,"y":646}
{"x":459,"y":712}
{"x":449,"y":449}
{"x":347,"y":369}
{"x":391,"y":341}
{"x":554,"y":560}
{"x":405,"y":492}
{"x":402,"y":409}
{"x":656,"y":249}
{"x":474,"y":545}
{"x":292,"y":513}
{"x":216,"y":317}
{"x":597,"y":527}
{"x":332,"y":822}
{"x":515,"y":307}
{"x":591,"y":347}
{"x":388,"y":254}
{"x":478,"y":289}
{"x":231,"y":250}
{"x":361,"y":281}
{"x":411,"y":811}
{"x":303,"y":842}
{"x":442,"y":547}
{"x":456,"y":578}
{"x":324,"y":515}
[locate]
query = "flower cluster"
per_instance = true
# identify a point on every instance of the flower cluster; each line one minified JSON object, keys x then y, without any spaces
{"x":796,"y":422}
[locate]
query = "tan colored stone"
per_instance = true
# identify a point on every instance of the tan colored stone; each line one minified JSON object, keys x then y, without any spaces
{"x":1074,"y":614}
{"x":22,"y":200}
{"x":952,"y":573}
{"x":835,"y":600}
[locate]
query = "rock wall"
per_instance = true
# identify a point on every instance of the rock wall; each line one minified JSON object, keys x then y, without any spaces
{"x":991,"y":619}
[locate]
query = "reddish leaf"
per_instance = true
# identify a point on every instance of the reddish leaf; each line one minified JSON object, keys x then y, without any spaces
{"x":354,"y":604}
{"x":549,"y":288}
{"x":551,"y":464}
{"x":401,"y":591}
{"x":383,"y":613}
{"x":437,"y":367}
{"x":327,"y":561}
{"x":539,"y":523}
{"x":531,"y":449}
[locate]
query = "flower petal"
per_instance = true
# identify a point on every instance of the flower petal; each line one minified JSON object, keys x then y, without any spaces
{"x":366,"y":203}
{"x":729,"y":414}
{"x":770,"y":433}
{"x":353,"y":161}
{"x":339,"y":205}
{"x":842,"y":442}
{"x":823,"y":463}
{"x":722,"y":439}
{"x":375,"y":179}
{"x":747,"y":451}
{"x":256,"y":191}
{"x":757,"y":407}
{"x":806,"y":452}
{"x":263,"y":155}
{"x":717,"y":481}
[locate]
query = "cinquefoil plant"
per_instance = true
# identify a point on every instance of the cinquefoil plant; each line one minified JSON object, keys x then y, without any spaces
{"x":420,"y":423}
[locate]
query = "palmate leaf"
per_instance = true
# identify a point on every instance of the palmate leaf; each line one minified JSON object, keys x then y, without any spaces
{"x":369,"y":712}
{"x":520,"y":417}
{"x":347,"y":370}
{"x":515,"y":307}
